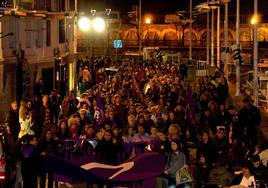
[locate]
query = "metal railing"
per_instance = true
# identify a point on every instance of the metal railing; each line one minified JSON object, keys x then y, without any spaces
{"x":85,"y":43}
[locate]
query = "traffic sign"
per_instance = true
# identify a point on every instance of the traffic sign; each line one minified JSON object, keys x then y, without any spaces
{"x":118,"y":44}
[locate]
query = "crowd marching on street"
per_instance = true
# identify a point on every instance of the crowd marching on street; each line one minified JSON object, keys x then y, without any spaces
{"x":142,"y":101}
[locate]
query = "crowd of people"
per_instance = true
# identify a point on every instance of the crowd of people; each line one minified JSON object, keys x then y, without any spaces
{"x":144,"y":102}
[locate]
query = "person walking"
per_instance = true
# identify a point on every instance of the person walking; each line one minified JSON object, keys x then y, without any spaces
{"x":29,"y":162}
{"x":13,"y":128}
{"x":249,"y":119}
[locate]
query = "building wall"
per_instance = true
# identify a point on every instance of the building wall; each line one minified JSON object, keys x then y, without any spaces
{"x":30,"y":35}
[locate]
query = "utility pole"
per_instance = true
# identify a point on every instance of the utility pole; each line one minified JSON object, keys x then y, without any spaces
{"x":75,"y":27}
{"x":212,"y":37}
{"x":238,"y":44}
{"x":218,"y":36}
{"x":255,"y":54}
{"x":140,"y":27}
{"x":225,"y":68}
{"x":191,"y":30}
{"x":208,"y":35}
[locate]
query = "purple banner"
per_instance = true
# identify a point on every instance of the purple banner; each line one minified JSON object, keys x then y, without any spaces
{"x":144,"y":167}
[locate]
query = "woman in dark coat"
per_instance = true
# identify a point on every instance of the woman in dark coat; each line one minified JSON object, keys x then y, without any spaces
{"x":13,"y":121}
{"x":29,"y":162}
{"x":47,"y":146}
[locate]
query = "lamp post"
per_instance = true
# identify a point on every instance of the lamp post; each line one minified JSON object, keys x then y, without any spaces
{"x":139,"y":27}
{"x":254,"y":22}
{"x":191,"y":30}
{"x":212,"y":37}
{"x":225,"y":67}
{"x":75,"y":28}
{"x":218,"y":37}
{"x":183,"y":23}
{"x":208,"y":36}
{"x":237,"y":43}
{"x":97,"y":24}
{"x":107,"y":13}
{"x":206,"y":8}
{"x":214,"y":5}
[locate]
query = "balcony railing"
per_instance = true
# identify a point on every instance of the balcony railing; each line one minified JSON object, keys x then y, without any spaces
{"x":169,"y":44}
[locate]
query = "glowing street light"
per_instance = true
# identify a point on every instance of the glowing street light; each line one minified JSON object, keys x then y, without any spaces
{"x":84,"y":23}
{"x":148,"y":21}
{"x":98,"y":24}
{"x":254,"y":20}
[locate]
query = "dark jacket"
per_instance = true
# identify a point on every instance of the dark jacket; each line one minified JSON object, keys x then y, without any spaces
{"x":249,"y":119}
{"x":208,"y":150}
{"x":106,"y":151}
{"x":202,"y":174}
{"x":13,"y":123}
{"x":49,"y":147}
{"x":29,"y":165}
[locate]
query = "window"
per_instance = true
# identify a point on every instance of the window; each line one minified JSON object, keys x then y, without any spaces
{"x":48,"y":5}
{"x":39,"y":4}
{"x":70,"y":30}
{"x":48,"y":33}
{"x":61,"y":5}
{"x":72,"y":5}
{"x":28,"y":5}
{"x":61,"y":31}
{"x":29,"y":32}
{"x":39,"y":34}
{"x":12,"y":28}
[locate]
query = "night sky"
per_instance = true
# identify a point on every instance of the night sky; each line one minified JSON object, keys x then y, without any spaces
{"x":164,"y":6}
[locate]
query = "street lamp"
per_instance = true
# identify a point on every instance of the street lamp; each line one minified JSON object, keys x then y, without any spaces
{"x":191,"y":30}
{"x":148,"y":21}
{"x":214,"y":5}
{"x":255,"y":21}
{"x":98,"y":24}
{"x":84,"y":24}
{"x":206,"y":7}
{"x":238,"y":79}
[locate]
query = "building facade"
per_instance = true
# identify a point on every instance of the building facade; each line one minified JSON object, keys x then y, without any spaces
{"x":177,"y":37}
{"x":39,"y":35}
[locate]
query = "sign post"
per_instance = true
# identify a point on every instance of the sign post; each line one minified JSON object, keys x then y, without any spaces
{"x":117,"y":44}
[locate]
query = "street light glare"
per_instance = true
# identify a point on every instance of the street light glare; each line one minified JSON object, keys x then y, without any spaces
{"x":148,"y":20}
{"x":84,"y":23}
{"x":254,"y":20}
{"x":98,"y":24}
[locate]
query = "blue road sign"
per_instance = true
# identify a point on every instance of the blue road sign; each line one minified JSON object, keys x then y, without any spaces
{"x":118,"y":44}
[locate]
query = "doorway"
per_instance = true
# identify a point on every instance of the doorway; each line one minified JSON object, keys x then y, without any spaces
{"x":47,"y":76}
